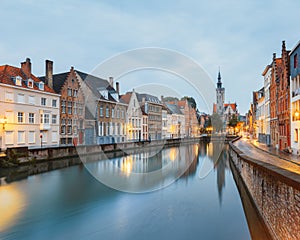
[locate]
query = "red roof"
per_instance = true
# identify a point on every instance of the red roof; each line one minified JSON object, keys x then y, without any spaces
{"x":232,"y":105}
{"x":8,"y":72}
{"x":126,"y":97}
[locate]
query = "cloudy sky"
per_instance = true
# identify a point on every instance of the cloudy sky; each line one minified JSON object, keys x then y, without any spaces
{"x":239,"y":36}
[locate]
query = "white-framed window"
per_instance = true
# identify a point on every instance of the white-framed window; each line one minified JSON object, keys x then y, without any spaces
{"x":31,"y":137}
{"x":18,"y":81}
{"x":43,"y":101}
{"x":69,"y":92}
{"x":107,"y":112}
{"x":75,"y":92}
{"x":54,"y":118}
{"x":41,"y":86}
{"x":54,"y":136}
{"x":63,"y":106}
{"x":20,"y":117}
{"x":75,"y":107}
{"x":21,"y":137}
{"x":9,"y":96}
{"x":54,"y":103}
{"x":9,"y":137}
{"x":101,"y":111}
{"x":31,"y":100}
{"x":112,"y":112}
{"x":30,"y":83}
{"x":63,"y":129}
{"x":31,"y":117}
{"x":45,"y":118}
{"x":69,"y":107}
{"x":20,"y":98}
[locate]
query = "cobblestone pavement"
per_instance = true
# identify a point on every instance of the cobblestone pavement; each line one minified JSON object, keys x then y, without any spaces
{"x":246,"y":146}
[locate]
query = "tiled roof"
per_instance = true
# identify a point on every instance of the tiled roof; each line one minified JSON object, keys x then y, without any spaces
{"x":126,"y":97}
{"x":58,"y":80}
{"x":148,"y":98}
{"x":7,"y":72}
{"x":232,"y":105}
{"x":173,"y":108}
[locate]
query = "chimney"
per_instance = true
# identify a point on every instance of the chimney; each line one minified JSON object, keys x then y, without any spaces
{"x":26,"y":67}
{"x":118,"y":88}
{"x":162,"y":98}
{"x":111,"y":81}
{"x":283,"y":45}
{"x":274,"y":56}
{"x":49,"y":73}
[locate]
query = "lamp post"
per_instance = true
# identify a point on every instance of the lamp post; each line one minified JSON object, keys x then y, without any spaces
{"x":41,"y":137}
{"x":3,"y":121}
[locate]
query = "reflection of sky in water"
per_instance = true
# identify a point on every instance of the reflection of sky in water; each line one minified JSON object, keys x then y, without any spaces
{"x":70,"y":204}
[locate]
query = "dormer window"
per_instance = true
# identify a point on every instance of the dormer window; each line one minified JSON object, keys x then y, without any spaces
{"x":18,"y":81}
{"x":30,"y":83}
{"x":41,"y":86}
{"x":103,"y":92}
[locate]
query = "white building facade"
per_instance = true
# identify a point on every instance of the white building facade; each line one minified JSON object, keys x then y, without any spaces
{"x":29,"y":109}
{"x":267,"y":74}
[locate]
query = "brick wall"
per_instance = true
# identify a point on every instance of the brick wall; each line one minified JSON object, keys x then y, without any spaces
{"x":275,"y":193}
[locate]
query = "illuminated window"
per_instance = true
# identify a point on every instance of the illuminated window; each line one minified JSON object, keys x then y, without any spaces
{"x":296,"y":135}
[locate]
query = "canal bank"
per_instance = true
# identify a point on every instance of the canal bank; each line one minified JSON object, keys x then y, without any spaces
{"x":20,"y":163}
{"x":273,"y":186}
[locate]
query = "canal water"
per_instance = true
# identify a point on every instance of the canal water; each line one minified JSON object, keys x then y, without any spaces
{"x":71,"y":203}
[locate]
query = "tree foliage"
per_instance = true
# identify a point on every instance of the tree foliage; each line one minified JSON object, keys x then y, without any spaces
{"x":191,"y":101}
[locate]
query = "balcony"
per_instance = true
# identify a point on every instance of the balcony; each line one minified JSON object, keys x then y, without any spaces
{"x":45,"y":126}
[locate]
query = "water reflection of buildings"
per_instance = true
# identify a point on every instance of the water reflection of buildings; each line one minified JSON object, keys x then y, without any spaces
{"x":218,"y":154}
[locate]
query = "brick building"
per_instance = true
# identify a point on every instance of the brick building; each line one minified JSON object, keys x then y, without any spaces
{"x":68,"y":85}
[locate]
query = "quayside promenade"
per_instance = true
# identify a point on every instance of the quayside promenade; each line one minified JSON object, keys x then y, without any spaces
{"x":273,"y":183}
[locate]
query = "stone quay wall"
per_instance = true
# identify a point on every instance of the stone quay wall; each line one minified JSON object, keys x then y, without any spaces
{"x":275,"y":192}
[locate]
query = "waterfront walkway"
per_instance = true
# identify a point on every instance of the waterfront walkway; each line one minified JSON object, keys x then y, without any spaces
{"x":269,"y":155}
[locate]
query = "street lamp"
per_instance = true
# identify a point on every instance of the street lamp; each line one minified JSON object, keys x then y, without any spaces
{"x":296,"y":114}
{"x":3,"y":121}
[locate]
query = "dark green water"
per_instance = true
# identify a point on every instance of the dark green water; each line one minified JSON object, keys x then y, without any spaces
{"x":71,"y":204}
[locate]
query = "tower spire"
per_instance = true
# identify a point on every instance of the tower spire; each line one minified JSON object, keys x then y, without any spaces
{"x":219,"y":84}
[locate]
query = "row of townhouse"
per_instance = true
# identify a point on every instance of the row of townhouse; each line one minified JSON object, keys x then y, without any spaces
{"x":274,"y":115}
{"x":74,"y":108}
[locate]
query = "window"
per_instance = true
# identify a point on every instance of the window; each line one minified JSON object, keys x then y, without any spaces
{"x":54,"y":102}
{"x":21,"y":137}
{"x":69,"y":130}
{"x":31,"y":100}
{"x":295,"y":60}
{"x":18,"y":81}
{"x":20,"y":117}
{"x":69,"y":92}
{"x":31,"y":118}
{"x":63,"y":129}
{"x":31,"y":137}
{"x":101,"y":111}
{"x":75,"y":92}
{"x":54,"y":118}
{"x":41,"y":86}
{"x":69,"y":107}
{"x":30,"y":83}
{"x":43,"y":101}
{"x":9,"y":137}
{"x":63,"y":106}
{"x":75,"y":108}
{"x":20,"y":98}
{"x":112,"y":112}
{"x":80,"y":109}
{"x":122,"y":114}
{"x":9,"y":96}
{"x":45,"y":118}
{"x":107,"y":112}
{"x":118,"y":113}
{"x":296,"y":135}
{"x":54,"y":137}
{"x":69,"y":127}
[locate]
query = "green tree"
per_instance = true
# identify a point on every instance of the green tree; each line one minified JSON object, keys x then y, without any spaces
{"x":191,"y":101}
{"x":233,"y":121}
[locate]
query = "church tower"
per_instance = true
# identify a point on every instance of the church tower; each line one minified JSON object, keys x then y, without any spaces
{"x":220,"y":91}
